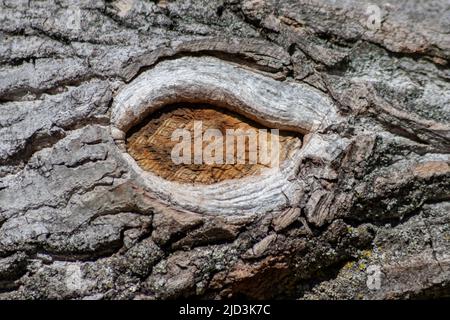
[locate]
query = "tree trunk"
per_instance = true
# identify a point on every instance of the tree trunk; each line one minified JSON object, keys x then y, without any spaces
{"x":361,"y":91}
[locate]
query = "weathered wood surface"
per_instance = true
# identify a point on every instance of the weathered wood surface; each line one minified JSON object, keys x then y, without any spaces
{"x":153,"y":147}
{"x":368,"y":190}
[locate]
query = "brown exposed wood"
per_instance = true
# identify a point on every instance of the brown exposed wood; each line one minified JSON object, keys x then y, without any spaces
{"x":362,"y":211}
{"x":150,"y":143}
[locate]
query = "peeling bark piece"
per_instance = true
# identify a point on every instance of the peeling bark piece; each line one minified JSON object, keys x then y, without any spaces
{"x":318,"y":207}
{"x":431,"y":168}
{"x":262,"y":246}
{"x":264,"y":55}
{"x":214,"y":231}
{"x":170,"y":223}
{"x":285,"y":219}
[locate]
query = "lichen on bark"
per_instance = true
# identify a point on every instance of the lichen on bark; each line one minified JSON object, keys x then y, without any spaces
{"x":371,"y":195}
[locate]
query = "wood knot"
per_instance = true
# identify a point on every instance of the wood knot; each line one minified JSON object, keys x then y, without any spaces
{"x":152,"y":144}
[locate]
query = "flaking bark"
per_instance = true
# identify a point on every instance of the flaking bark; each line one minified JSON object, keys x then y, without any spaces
{"x":76,"y":222}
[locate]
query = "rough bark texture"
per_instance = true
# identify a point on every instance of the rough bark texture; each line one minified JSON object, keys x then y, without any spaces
{"x":76,"y":221}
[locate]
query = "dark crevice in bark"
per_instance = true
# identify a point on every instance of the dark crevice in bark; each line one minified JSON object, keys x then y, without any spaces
{"x":240,"y":59}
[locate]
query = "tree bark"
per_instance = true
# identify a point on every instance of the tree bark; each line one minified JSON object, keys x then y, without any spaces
{"x":365,"y":214}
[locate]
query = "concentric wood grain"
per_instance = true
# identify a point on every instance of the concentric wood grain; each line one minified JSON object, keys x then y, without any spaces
{"x":150,"y":144}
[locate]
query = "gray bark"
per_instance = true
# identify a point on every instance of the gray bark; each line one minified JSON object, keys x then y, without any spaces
{"x":78,"y":222}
